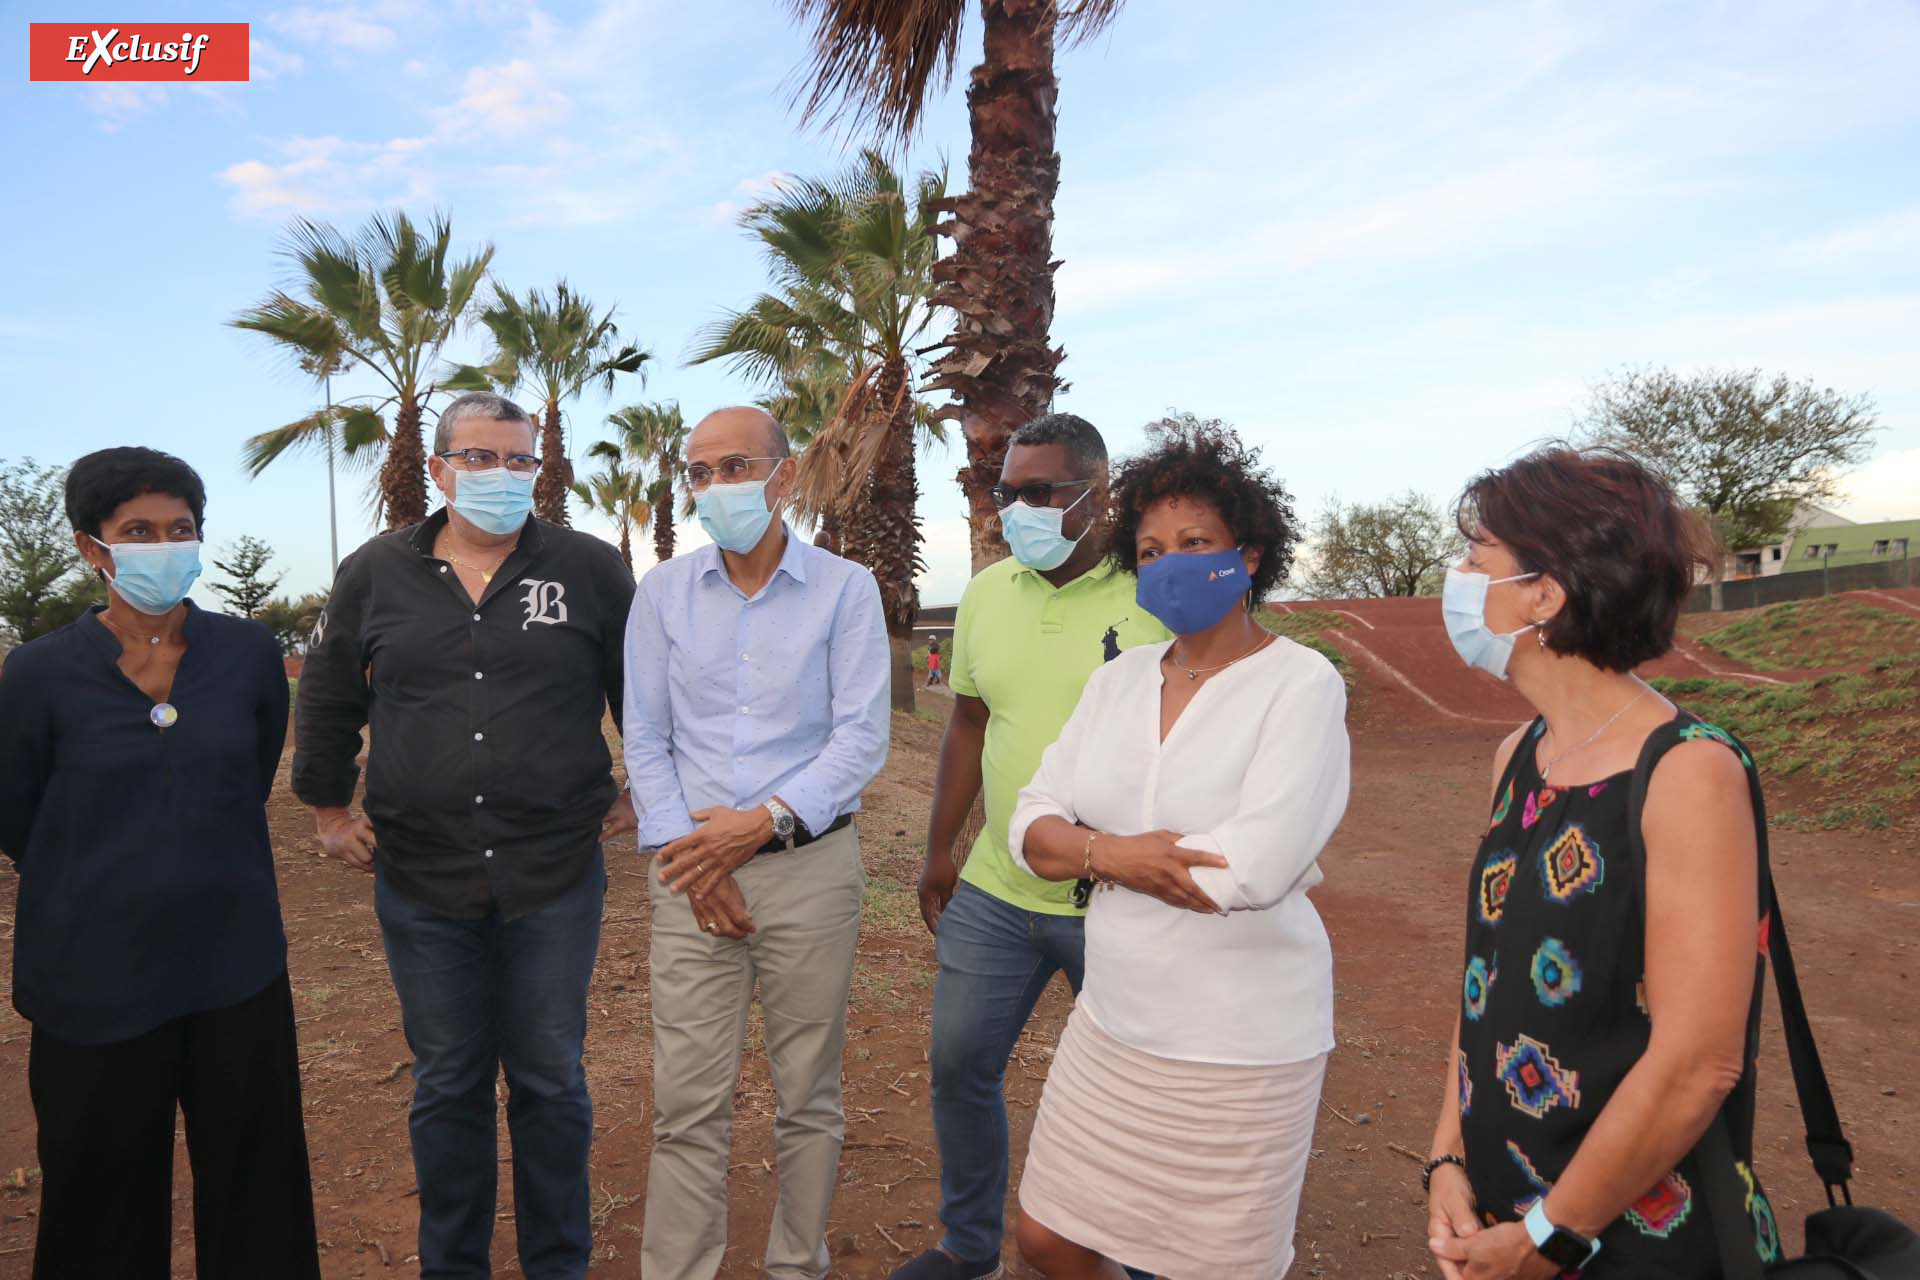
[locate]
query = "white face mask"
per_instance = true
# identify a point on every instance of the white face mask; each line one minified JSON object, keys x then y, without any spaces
{"x":1463,"y":605}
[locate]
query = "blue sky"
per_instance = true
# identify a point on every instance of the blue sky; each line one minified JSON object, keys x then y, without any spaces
{"x":1393,"y":244}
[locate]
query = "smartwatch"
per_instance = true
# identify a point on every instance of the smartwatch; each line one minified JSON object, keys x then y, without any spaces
{"x":1568,"y":1250}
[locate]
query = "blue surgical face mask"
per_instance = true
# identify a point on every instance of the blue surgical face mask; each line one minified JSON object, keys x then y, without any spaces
{"x":1463,"y":605}
{"x":1033,"y":534}
{"x":1191,"y":591}
{"x":153,"y":577}
{"x":494,"y":501}
{"x":735,"y":516}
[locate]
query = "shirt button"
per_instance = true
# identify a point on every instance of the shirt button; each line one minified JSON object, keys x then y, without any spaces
{"x":489,"y":853}
{"x":479,"y":799}
{"x":443,"y":568}
{"x":479,"y":675}
{"x":478,"y":737}
{"x":476,"y":617}
{"x":744,"y":658}
{"x":743,"y":711}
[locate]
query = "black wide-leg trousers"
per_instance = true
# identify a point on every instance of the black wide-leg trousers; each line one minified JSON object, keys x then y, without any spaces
{"x":106,"y":1125}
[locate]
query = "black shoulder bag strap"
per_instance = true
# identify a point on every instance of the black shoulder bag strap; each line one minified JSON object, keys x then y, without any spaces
{"x":1714,"y":1156}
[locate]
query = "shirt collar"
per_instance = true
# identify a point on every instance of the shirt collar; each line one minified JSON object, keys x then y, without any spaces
{"x":1103,"y":569}
{"x":793,"y":559}
{"x":532,"y":535}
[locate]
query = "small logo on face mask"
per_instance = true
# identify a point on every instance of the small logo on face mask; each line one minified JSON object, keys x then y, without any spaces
{"x":544,"y":601}
{"x":1218,"y":574}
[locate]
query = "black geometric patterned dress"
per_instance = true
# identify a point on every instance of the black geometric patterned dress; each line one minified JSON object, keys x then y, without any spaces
{"x":1553,"y":1012}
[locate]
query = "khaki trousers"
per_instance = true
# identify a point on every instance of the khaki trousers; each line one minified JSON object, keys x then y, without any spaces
{"x":806,"y":906}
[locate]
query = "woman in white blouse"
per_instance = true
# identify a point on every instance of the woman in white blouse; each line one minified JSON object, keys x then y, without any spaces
{"x":1195,"y":786}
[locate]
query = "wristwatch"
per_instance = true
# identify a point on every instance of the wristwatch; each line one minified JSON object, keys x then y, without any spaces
{"x":784,"y":822}
{"x":1568,"y":1250}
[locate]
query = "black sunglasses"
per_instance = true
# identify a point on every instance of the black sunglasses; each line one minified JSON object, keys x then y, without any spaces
{"x":1038,"y":494}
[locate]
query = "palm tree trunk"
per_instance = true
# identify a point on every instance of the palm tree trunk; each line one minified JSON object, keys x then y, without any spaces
{"x":556,"y":475}
{"x":663,"y":517}
{"x":883,"y":531}
{"x":1000,"y":365}
{"x":626,"y":544}
{"x":403,"y":477}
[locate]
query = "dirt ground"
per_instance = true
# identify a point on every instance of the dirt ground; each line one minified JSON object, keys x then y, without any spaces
{"x":1423,"y":732}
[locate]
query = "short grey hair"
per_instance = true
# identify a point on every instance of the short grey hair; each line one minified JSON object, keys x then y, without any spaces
{"x":476,"y":404}
{"x":1085,"y":449}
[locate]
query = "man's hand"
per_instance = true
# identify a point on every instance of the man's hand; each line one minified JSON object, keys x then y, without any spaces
{"x":723,"y":843}
{"x":347,"y":836}
{"x":723,"y":913}
{"x":939,"y":877}
{"x":620,"y":818}
{"x":1156,"y":865}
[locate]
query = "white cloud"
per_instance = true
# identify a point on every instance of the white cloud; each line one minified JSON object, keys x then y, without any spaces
{"x":344,"y":27}
{"x":118,"y":103}
{"x":329,"y":174}
{"x":1894,"y":237}
{"x":267,"y":61}
{"x":1887,"y":488}
{"x":504,"y":101}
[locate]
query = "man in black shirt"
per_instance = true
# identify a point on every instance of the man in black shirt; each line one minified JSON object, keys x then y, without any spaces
{"x":482,"y":649}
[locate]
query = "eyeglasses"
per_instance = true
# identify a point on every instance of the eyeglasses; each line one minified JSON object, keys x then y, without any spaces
{"x":730,"y":471}
{"x":521,"y":464}
{"x":1038,"y":494}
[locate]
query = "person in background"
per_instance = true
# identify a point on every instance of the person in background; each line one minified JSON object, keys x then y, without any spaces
{"x":1028,"y":633}
{"x":1196,"y":784}
{"x":1610,"y":1002}
{"x":482,"y":650}
{"x":757,"y":712}
{"x":138,"y":746}
{"x":933,"y":662}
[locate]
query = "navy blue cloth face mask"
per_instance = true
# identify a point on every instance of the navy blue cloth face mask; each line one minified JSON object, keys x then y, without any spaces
{"x":1190,"y":592}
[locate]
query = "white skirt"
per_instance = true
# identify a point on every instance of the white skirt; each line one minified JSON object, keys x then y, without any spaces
{"x":1190,"y":1170}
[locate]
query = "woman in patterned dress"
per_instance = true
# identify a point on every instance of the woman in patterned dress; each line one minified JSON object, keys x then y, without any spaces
{"x":1610,"y":999}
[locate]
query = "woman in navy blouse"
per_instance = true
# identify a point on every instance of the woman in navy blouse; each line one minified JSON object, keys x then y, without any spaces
{"x":137,"y":749}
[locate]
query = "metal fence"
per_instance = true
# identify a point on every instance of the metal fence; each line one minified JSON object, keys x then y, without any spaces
{"x":1857,"y":572}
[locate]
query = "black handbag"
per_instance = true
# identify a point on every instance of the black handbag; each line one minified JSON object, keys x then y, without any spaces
{"x":1844,"y":1241}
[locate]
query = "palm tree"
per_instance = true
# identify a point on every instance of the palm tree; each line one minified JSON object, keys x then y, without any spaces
{"x":852,"y":263}
{"x":559,"y":348}
{"x":878,"y":62}
{"x":652,"y":435}
{"x":617,"y":493}
{"x":807,"y":399}
{"x":389,"y":300}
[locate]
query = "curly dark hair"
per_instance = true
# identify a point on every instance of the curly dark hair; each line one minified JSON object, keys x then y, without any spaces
{"x":1204,"y":460}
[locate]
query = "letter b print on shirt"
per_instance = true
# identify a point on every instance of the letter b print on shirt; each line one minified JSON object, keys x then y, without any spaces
{"x":544,"y":602}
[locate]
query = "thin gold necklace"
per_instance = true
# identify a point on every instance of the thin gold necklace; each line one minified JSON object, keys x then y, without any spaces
{"x":486,"y":574}
{"x":127,"y":632}
{"x":1196,"y":673}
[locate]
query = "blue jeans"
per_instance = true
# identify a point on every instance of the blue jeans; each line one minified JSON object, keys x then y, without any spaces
{"x":477,"y":996}
{"x":995,"y":960}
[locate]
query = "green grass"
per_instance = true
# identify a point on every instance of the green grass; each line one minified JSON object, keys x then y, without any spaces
{"x":1804,"y":634}
{"x":1847,"y":738}
{"x":1307,"y":627}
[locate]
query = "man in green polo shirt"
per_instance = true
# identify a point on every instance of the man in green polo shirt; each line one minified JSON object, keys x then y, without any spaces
{"x":1030,"y":630}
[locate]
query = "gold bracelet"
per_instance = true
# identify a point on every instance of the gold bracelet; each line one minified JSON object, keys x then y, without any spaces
{"x":1086,"y":868}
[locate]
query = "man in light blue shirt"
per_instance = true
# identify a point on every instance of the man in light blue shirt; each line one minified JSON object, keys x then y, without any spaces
{"x":756,"y":711}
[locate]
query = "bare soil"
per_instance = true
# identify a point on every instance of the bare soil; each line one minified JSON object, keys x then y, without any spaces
{"x":1394,"y":898}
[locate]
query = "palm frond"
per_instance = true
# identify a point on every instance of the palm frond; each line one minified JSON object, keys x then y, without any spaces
{"x":877,"y":61}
